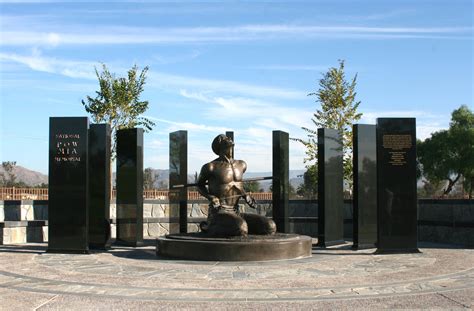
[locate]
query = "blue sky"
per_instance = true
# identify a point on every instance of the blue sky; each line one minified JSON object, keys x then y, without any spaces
{"x":245,"y":66}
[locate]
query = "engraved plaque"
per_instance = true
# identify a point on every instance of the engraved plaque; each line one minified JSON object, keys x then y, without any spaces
{"x":396,"y":185}
{"x":68,"y":185}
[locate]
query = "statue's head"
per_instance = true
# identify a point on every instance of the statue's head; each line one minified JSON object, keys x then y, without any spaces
{"x":220,"y":143}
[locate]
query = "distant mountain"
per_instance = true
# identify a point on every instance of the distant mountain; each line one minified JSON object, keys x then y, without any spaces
{"x":33,"y":178}
{"x":162,"y":178}
{"x":296,"y":178}
{"x":29,"y":177}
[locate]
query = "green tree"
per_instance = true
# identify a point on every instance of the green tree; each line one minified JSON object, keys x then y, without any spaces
{"x":252,"y":186}
{"x":448,"y":155}
{"x":118,"y":101}
{"x":337,"y":97}
{"x":291,"y":190}
{"x":149,"y":179}
{"x":309,"y":188}
{"x":462,"y":129}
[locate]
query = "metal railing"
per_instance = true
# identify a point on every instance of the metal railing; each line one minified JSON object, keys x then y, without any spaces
{"x":13,"y":193}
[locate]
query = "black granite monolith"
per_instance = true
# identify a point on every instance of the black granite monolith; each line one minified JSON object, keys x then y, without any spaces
{"x":365,"y":186}
{"x":330,"y":188}
{"x":130,"y":187}
{"x":280,"y":185}
{"x":99,"y":186}
{"x":230,"y":134}
{"x":178,"y":164}
{"x":396,"y":185}
{"x":68,"y":185}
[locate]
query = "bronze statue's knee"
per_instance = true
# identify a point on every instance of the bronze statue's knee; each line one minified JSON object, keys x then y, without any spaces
{"x":271,"y":227}
{"x":244,"y":230}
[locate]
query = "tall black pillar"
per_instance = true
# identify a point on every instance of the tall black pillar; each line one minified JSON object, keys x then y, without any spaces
{"x":365,"y":186}
{"x":280,"y":188}
{"x":396,"y":185}
{"x":179,"y":176}
{"x":99,"y":186}
{"x":330,"y":188}
{"x":230,"y":134}
{"x":68,"y":185}
{"x":130,"y":186}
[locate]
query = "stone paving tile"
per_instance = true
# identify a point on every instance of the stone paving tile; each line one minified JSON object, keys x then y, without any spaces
{"x":12,"y":299}
{"x":138,"y":277}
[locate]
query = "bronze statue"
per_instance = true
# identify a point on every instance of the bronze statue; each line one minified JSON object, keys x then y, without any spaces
{"x":220,"y":181}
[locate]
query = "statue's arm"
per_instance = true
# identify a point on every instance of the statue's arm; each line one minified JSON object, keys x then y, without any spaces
{"x":243,"y":165}
{"x":201,"y":185}
{"x":248,"y":199}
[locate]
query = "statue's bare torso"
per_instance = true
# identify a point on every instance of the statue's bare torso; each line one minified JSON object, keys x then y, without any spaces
{"x":221,"y":182}
{"x":224,"y":179}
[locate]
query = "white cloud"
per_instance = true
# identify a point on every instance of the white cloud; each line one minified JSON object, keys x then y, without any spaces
{"x":211,"y":86}
{"x":85,"y":70}
{"x":425,"y":131}
{"x":53,"y":39}
{"x":37,"y":62}
{"x":253,"y":144}
{"x":97,"y":35}
{"x":176,"y":126}
{"x":426,"y":122}
{"x":370,"y":117}
{"x":165,"y":59}
{"x":253,"y":109}
{"x":292,"y":67}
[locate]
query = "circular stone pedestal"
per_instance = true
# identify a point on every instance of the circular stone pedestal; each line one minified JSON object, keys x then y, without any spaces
{"x":197,"y":246}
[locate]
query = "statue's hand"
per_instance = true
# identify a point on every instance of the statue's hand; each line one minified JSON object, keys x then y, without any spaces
{"x":215,"y":202}
{"x":250,"y":201}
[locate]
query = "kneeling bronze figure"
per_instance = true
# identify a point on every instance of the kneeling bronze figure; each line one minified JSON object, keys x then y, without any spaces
{"x":221,"y":182}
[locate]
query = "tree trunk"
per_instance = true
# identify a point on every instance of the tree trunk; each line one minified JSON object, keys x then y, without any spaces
{"x":451,"y":183}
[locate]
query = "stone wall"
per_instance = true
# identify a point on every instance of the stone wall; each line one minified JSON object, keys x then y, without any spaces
{"x":441,"y":221}
{"x":23,"y":221}
{"x":446,"y":221}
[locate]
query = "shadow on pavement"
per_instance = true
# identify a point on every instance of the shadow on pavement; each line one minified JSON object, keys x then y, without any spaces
{"x":442,"y":246}
{"x":24,"y":248}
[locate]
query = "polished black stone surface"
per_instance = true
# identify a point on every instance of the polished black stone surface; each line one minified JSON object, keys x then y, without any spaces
{"x":178,"y":164}
{"x":230,"y":134}
{"x":68,"y":185}
{"x":330,"y":188}
{"x":365,"y":185}
{"x":280,"y":181}
{"x":396,"y":185}
{"x":130,"y":186}
{"x":99,"y":186}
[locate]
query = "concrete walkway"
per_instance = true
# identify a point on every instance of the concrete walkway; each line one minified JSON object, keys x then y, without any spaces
{"x":128,"y":278}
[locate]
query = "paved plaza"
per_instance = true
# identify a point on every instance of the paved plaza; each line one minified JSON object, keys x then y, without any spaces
{"x":338,"y":277}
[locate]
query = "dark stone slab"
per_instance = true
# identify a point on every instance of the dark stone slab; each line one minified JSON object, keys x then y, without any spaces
{"x":130,"y":186}
{"x":231,"y":136}
{"x":280,"y":180}
{"x":330,"y":188}
{"x":436,"y":212}
{"x":303,"y":208}
{"x":40,"y":210}
{"x":178,"y":164}
{"x":68,"y":185}
{"x":252,"y":248}
{"x":365,"y":185}
{"x":12,"y":212}
{"x":99,"y":186}
{"x":12,"y":202}
{"x":25,"y":223}
{"x":396,"y":185}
